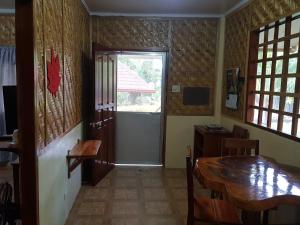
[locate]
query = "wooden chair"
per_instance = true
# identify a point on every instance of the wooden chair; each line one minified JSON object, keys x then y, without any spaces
{"x":239,"y":147}
{"x":240,"y":132}
{"x":201,"y":209}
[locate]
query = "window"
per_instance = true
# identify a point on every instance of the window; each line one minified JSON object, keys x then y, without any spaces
{"x":274,"y":77}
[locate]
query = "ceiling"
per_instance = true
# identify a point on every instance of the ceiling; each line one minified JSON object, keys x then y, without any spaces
{"x":153,"y":7}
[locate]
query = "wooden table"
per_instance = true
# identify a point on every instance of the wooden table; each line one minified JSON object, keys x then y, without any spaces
{"x":81,"y":151}
{"x":251,"y":183}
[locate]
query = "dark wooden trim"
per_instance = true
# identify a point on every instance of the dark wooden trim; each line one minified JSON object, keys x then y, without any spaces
{"x":26,"y":74}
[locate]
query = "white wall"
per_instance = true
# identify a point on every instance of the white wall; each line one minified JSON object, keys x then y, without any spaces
{"x":57,"y":193}
{"x":179,"y":134}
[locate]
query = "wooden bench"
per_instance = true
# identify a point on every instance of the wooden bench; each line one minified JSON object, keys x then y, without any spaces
{"x":81,"y":151}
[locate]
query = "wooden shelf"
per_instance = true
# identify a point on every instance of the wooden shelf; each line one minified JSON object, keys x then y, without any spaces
{"x":81,"y":151}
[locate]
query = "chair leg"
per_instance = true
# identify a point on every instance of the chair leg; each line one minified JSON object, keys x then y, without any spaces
{"x":266,"y":217}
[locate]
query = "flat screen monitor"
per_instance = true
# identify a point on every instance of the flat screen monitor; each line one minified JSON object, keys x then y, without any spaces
{"x":10,"y":108}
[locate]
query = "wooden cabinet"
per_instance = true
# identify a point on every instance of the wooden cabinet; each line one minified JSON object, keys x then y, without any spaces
{"x":207,"y":143}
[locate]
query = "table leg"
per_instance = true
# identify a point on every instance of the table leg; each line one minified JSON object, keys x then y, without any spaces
{"x":251,"y":218}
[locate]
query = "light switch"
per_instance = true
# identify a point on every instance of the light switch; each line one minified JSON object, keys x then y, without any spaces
{"x":176,"y":88}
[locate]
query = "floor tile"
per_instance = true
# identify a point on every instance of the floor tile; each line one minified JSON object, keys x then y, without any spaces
{"x":152,"y":182}
{"x":126,"y":194}
{"x":91,"y":208}
{"x":125,"y":208}
{"x":155,"y":194}
{"x":124,"y":221}
{"x":96,"y":194}
{"x":158,"y":208}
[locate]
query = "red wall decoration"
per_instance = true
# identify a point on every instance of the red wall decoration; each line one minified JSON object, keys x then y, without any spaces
{"x":53,"y":71}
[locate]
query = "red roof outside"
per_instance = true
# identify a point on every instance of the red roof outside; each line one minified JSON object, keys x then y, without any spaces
{"x":130,"y":81}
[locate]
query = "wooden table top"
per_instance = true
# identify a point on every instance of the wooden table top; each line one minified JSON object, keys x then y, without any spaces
{"x":252,"y":183}
{"x":85,"y":149}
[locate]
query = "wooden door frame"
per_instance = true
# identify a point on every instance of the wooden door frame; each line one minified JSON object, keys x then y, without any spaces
{"x":102,"y":48}
{"x":26,"y":74}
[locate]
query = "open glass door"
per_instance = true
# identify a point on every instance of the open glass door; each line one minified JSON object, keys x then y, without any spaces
{"x":140,"y":108}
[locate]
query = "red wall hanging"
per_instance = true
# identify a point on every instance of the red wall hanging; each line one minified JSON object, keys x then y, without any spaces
{"x":53,"y":70}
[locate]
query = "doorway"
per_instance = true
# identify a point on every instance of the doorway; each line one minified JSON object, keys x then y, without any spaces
{"x":140,"y":108}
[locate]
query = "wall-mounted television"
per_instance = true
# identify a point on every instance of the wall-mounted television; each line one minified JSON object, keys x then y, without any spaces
{"x":10,"y":108}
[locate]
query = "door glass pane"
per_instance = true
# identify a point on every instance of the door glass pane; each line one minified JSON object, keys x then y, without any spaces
{"x":269,"y":68}
{"x":291,"y":83}
{"x":255,"y":116}
{"x":139,"y":83}
{"x":293,"y":65}
{"x":294,"y":46}
{"x":259,"y":69}
{"x":266,"y":101}
{"x":295,"y":26}
{"x":276,"y":101}
{"x":280,"y":48}
{"x":264,"y":119}
{"x":260,"y":53}
{"x":287,"y":125}
{"x":274,"y":121}
{"x":271,"y":34}
{"x":289,"y":104}
{"x":281,"y":31}
{"x":279,"y":64}
{"x":267,"y":84}
{"x":277,"y":84}
{"x":270,"y":51}
{"x":257,"y":98}
{"x":258,"y":84}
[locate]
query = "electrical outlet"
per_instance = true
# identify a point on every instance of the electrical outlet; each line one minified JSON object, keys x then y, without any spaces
{"x":176,"y":88}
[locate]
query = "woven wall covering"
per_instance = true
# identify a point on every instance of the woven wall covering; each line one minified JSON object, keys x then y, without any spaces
{"x":238,"y":27}
{"x":63,"y":26}
{"x":40,"y":85}
{"x":236,"y":49}
{"x":192,"y":44}
{"x":192,"y":63}
{"x":266,"y":11}
{"x":7,"y":30}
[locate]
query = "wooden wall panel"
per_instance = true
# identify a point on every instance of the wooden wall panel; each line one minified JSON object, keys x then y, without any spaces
{"x":7,"y":30}
{"x":130,"y":32}
{"x":40,"y":84}
{"x":236,"y":50}
{"x":266,"y":11}
{"x":53,"y":31}
{"x":192,"y":63}
{"x":192,"y":44}
{"x":64,"y":26}
{"x":239,"y":24}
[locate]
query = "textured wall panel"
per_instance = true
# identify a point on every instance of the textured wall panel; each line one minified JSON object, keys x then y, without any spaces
{"x":236,"y":49}
{"x":40,"y":85}
{"x":192,"y":44}
{"x":63,"y":26}
{"x":7,"y":30}
{"x":266,"y":11}
{"x":53,"y":30}
{"x":130,"y":33}
{"x":193,"y":58}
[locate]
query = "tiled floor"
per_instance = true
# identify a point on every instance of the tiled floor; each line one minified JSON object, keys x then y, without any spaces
{"x":134,"y":196}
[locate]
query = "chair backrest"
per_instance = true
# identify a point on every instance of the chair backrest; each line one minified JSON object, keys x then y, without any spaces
{"x":239,"y":147}
{"x":240,"y":132}
{"x":5,"y":194}
{"x":190,"y":182}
